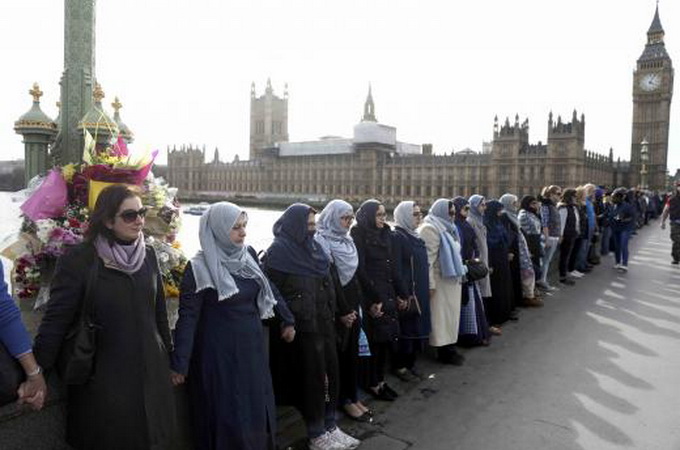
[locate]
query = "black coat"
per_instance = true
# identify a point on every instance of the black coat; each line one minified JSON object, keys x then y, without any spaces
{"x":379,"y":282}
{"x":300,"y":369}
{"x":129,"y":402}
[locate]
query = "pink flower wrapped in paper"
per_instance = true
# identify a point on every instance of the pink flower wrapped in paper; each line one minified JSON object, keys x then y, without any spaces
{"x":49,"y":199}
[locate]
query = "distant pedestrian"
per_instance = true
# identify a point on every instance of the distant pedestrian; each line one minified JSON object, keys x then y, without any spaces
{"x":530,"y":224}
{"x":570,"y":229}
{"x":552,"y":231}
{"x":622,"y":221}
{"x":672,"y":211}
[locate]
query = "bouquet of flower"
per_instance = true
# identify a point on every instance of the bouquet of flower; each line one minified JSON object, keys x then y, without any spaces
{"x":50,"y":227}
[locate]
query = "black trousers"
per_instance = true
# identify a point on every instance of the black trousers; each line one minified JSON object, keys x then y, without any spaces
{"x":566,"y":250}
{"x":348,"y":360}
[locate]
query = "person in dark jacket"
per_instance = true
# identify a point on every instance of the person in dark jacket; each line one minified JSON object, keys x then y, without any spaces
{"x":379,"y":283}
{"x":128,"y":402}
{"x":672,"y":211}
{"x":305,"y":372}
{"x":17,"y":342}
{"x":332,"y":234}
{"x":219,"y":337}
{"x":602,"y":213}
{"x":474,"y":328}
{"x":410,"y":259}
{"x":552,"y":232}
{"x":499,"y":306}
{"x":622,"y":221}
{"x":570,"y":226}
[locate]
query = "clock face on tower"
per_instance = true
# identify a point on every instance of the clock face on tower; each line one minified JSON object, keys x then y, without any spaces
{"x":650,"y":82}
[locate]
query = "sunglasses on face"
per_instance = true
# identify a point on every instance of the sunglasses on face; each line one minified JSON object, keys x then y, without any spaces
{"x":466,"y":208}
{"x":418,"y":214}
{"x":130,"y":215}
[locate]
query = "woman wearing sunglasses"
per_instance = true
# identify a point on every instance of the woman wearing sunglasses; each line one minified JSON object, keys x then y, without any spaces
{"x":128,"y":401}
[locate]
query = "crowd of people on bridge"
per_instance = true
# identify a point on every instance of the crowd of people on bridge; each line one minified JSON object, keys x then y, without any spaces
{"x":340,"y":299}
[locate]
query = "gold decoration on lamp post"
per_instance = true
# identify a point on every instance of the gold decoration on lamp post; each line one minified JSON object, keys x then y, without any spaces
{"x":36,"y":92}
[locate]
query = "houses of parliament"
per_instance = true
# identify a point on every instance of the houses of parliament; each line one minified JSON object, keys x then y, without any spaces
{"x":373,"y":163}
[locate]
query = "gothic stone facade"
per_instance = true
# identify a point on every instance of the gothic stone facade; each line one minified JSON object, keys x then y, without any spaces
{"x":374,"y":169}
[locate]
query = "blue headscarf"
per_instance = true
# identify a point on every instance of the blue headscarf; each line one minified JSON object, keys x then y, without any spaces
{"x":496,"y":233}
{"x":335,"y":239}
{"x":450,"y":261}
{"x":294,"y":249}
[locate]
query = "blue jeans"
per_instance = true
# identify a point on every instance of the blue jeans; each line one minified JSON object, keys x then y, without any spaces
{"x":548,"y":254}
{"x":582,"y":254}
{"x":621,"y":238}
{"x":606,"y":241}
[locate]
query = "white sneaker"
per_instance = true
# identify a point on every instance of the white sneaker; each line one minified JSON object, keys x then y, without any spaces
{"x":623,"y":268}
{"x":325,"y":442}
{"x":617,"y":266}
{"x":344,"y":439}
{"x":576,"y":274}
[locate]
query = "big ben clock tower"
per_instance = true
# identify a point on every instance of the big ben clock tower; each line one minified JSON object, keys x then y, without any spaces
{"x":652,"y":93}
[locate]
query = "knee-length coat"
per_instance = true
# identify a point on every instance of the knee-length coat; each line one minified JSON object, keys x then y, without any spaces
{"x":129,"y":401}
{"x":445,"y":303}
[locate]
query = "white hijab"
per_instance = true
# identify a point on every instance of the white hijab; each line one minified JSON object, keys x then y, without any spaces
{"x":336,"y":241}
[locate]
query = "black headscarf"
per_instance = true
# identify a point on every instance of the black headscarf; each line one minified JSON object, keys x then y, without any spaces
{"x":366,"y":221}
{"x":294,"y":249}
{"x":526,"y":202}
{"x":459,"y":203}
{"x":496,"y":233}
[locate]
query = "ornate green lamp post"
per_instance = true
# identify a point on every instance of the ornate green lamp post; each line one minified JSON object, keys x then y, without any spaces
{"x":39,"y":132}
{"x":644,"y":159}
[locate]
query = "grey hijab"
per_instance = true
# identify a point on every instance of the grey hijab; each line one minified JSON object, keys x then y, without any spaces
{"x":510,"y":211}
{"x":219,"y":259}
{"x":475,"y":215}
{"x":336,"y":241}
{"x":403,"y":217}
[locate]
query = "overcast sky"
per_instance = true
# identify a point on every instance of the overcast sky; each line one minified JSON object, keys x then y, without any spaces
{"x":440,"y":70}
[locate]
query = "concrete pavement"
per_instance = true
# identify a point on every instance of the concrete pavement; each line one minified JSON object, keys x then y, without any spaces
{"x":597,"y":368}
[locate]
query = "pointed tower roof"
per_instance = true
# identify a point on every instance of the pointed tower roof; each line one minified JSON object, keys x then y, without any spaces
{"x":656,"y":27}
{"x":35,"y":120}
{"x":369,"y":107}
{"x":655,"y":48}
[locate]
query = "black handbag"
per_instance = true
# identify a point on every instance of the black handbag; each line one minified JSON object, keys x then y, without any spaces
{"x":412,"y":302}
{"x":11,"y":376}
{"x":76,"y":358}
{"x":476,"y":270}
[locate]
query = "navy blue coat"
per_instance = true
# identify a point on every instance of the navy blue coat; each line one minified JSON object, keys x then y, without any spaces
{"x":410,"y":261}
{"x":221,"y":346}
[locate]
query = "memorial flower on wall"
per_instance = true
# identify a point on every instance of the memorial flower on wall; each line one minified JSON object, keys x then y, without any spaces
{"x":56,"y":216}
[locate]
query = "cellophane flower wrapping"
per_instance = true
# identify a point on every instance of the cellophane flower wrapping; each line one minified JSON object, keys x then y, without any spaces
{"x":56,"y":215}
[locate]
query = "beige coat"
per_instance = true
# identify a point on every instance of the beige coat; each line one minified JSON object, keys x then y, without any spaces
{"x":445,"y":304}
